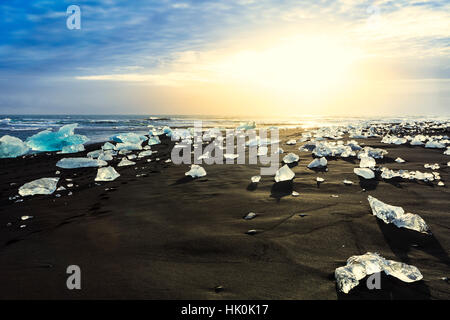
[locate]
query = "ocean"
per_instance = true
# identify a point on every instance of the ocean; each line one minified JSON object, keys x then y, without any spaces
{"x":99,"y":128}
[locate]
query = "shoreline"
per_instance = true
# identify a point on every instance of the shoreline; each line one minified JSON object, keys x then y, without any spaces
{"x":162,"y":236}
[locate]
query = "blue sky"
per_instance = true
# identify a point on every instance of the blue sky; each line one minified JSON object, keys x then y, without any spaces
{"x":148,"y":56}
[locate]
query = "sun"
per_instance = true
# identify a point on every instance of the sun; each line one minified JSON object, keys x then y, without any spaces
{"x":297,"y":66}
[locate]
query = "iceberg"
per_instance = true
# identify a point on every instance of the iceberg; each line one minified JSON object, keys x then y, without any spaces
{"x":397,"y":216}
{"x":196,"y":171}
{"x":39,"y":186}
{"x":318,"y":163}
{"x":284,"y":174}
{"x":366,"y":173}
{"x":146,"y":153}
{"x":358,"y":267}
{"x":74,"y":163}
{"x":11,"y":147}
{"x":128,"y":146}
{"x":48,"y":140}
{"x":106,"y":174}
{"x":400,"y":160}
{"x":74,"y":148}
{"x":375,"y":153}
{"x":291,"y":158}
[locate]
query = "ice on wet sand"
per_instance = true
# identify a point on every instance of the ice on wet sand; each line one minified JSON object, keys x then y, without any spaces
{"x":39,"y":186}
{"x":196,"y":171}
{"x":11,"y":147}
{"x":318,"y":163}
{"x":256,"y":179}
{"x":74,"y":163}
{"x":284,"y":174}
{"x":358,"y":267}
{"x":365,"y":173}
{"x":291,"y":158}
{"x":49,"y":140}
{"x":107,"y":174}
{"x":397,"y":216}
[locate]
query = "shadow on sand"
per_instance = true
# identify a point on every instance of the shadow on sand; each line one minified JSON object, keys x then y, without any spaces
{"x":281,"y":189}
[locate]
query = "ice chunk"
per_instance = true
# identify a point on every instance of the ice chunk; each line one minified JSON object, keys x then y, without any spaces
{"x":358,"y":267}
{"x":108,"y":146}
{"x":74,"y":148}
{"x":400,"y":160}
{"x":397,"y":216}
{"x":48,"y":140}
{"x":196,"y":171}
{"x":434,"y":144}
{"x":128,"y":146}
{"x":39,"y":186}
{"x":291,"y":142}
{"x":447,"y":152}
{"x":318,"y":163}
{"x":375,"y":153}
{"x":284,"y":174}
{"x":295,"y":194}
{"x":441,"y":184}
{"x":256,"y":179}
{"x":74,"y":163}
{"x":247,"y":126}
{"x":230,"y":156}
{"x":145,"y":153}
{"x":434,"y":166}
{"x":105,"y":156}
{"x":291,"y":158}
{"x":11,"y":147}
{"x":107,"y":174}
{"x":366,"y":173}
{"x":129,"y":137}
{"x":250,"y":216}
{"x":347,"y":182}
{"x":367,"y":162}
{"x":319,"y":179}
{"x":153,"y":140}
{"x":125,"y":162}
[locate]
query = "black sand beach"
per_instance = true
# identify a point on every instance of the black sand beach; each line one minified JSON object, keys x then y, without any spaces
{"x":163,"y":236}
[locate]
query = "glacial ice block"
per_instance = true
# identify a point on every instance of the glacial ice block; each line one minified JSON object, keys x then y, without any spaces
{"x":129,"y":137}
{"x":196,"y":171}
{"x":49,"y":140}
{"x":11,"y":147}
{"x":318,"y":163}
{"x":397,"y":216}
{"x":39,"y":186}
{"x":284,"y":174}
{"x":107,"y":174}
{"x":366,"y":173}
{"x":74,"y":163}
{"x":74,"y":148}
{"x":367,"y":162}
{"x":153,"y":140}
{"x":125,"y":162}
{"x":291,"y":158}
{"x":358,"y":267}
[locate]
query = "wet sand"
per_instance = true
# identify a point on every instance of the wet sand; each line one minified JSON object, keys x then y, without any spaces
{"x":162,"y":236}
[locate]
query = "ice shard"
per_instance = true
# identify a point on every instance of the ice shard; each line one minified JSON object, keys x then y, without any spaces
{"x":284,"y":174}
{"x":39,"y":186}
{"x":196,"y":171}
{"x":397,"y":216}
{"x":358,"y":267}
{"x":107,"y":174}
{"x":74,"y":163}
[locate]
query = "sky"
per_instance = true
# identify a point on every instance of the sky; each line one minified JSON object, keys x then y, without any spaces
{"x":230,"y":57}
